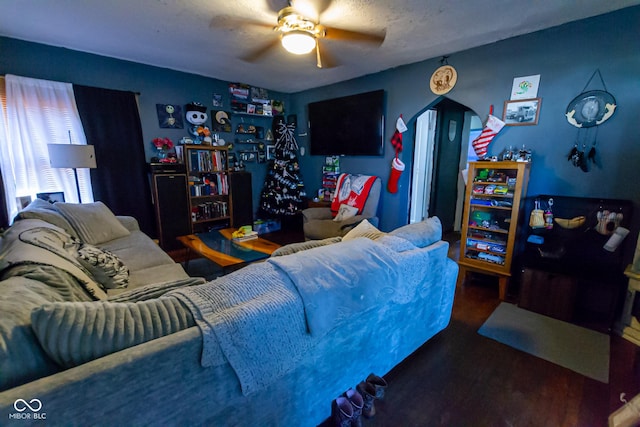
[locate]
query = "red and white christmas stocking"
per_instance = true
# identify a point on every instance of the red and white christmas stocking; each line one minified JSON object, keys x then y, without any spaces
{"x":396,"y":170}
{"x":490,"y":130}
{"x":396,"y":139}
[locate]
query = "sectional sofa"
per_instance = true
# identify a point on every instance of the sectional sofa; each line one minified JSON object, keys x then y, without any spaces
{"x":100,"y":327}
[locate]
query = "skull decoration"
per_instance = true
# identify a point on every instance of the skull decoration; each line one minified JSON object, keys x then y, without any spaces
{"x":196,"y":114}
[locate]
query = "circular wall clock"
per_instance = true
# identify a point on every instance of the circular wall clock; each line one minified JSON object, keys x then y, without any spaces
{"x":443,"y":80}
{"x":590,"y":108}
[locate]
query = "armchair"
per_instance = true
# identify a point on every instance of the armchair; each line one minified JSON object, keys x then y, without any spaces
{"x":318,"y":223}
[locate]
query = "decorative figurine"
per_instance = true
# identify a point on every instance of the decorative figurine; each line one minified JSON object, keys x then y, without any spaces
{"x":196,"y":114}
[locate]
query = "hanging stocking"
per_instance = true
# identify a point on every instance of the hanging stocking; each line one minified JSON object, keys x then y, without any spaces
{"x":490,"y":130}
{"x":396,"y":139}
{"x":396,"y":170}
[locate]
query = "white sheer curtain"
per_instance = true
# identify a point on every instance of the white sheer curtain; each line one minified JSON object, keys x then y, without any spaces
{"x":39,"y":112}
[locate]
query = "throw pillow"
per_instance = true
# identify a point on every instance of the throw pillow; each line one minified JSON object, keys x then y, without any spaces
{"x":364,"y":229}
{"x":73,"y":333}
{"x":345,"y":212}
{"x":108,"y":270}
{"x":93,"y":222}
{"x":39,"y":209}
{"x":421,"y":234}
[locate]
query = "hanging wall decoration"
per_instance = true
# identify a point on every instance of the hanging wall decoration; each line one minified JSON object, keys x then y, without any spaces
{"x":444,"y":78}
{"x":221,"y":121}
{"x":589,"y":109}
{"x":169,"y":116}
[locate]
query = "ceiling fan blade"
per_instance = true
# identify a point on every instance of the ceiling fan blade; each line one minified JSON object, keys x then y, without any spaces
{"x":356,"y":36}
{"x":234,"y":22}
{"x":324,"y":59}
{"x":257,"y":53}
{"x":322,"y":5}
{"x":313,"y":9}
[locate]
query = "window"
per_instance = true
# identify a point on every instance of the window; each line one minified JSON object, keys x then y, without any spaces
{"x":36,"y":113}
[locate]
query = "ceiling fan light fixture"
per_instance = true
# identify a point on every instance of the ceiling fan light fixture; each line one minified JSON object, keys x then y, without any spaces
{"x":298,"y":42}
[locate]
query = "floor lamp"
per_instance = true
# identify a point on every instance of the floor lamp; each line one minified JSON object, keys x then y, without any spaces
{"x":72,"y":156}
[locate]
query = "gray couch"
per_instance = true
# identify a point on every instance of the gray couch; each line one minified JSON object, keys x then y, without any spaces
{"x":184,"y":352}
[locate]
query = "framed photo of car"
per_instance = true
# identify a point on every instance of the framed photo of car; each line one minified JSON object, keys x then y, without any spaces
{"x":521,"y":112}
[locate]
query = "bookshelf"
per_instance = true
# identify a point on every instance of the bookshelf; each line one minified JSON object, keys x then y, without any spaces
{"x":208,"y":186}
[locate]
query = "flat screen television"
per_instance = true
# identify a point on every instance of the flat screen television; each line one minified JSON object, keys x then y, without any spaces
{"x":350,"y":125}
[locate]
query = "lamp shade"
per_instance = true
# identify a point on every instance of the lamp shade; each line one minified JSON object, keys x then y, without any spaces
{"x":72,"y":156}
{"x":298,"y":42}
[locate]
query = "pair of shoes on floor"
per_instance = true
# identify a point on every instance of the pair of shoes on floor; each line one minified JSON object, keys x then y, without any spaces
{"x":346,"y":410}
{"x":371,"y":389}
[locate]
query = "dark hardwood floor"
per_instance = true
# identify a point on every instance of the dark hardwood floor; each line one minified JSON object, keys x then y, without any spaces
{"x":460,"y":378}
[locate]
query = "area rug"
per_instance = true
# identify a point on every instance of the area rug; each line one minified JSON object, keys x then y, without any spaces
{"x":582,"y":350}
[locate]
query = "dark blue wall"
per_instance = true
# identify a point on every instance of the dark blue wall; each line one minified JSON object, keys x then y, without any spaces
{"x":155,"y":86}
{"x":564,"y":56}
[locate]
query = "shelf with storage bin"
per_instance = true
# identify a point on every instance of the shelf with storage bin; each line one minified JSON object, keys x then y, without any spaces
{"x":208,"y":186}
{"x":493,"y":198}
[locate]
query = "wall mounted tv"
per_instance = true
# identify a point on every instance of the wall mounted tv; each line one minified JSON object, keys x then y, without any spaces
{"x":350,"y":125}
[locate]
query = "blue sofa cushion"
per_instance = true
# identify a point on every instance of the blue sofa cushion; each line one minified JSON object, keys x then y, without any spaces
{"x":421,"y":234}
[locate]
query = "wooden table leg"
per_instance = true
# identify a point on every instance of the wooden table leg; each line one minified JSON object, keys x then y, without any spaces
{"x":503,"y":284}
{"x":462,"y":275}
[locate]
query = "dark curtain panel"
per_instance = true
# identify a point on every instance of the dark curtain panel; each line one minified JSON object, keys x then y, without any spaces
{"x":4,"y":217}
{"x":112,"y":124}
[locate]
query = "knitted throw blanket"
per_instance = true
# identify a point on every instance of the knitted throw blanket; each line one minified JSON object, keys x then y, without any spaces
{"x":254,"y":320}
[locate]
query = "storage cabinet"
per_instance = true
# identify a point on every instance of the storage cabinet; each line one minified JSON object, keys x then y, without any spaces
{"x":548,"y":293}
{"x":495,"y":191}
{"x":566,"y":271}
{"x":208,"y":187}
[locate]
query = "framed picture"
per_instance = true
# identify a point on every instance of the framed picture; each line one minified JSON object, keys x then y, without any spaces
{"x":521,"y":112}
{"x":271,"y":152}
{"x":169,"y":116}
{"x":56,"y":196}
{"x":221,"y":121}
{"x":248,"y":156}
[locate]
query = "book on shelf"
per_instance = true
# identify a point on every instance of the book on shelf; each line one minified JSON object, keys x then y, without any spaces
{"x":207,"y":161}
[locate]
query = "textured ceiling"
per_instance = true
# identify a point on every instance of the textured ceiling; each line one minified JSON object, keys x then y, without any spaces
{"x":199,"y":36}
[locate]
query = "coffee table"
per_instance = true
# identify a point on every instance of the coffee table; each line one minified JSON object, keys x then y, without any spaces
{"x":218,"y":246}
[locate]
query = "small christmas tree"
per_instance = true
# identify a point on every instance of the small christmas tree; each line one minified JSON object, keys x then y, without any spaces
{"x":283,"y":190}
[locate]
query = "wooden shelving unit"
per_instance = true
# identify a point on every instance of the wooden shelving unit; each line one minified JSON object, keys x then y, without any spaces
{"x":209,"y":192}
{"x":493,"y":201}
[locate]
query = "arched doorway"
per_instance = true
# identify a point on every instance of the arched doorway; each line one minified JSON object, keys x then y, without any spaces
{"x":443,"y":133}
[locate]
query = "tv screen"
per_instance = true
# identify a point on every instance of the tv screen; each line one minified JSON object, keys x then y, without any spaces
{"x":350,"y":126}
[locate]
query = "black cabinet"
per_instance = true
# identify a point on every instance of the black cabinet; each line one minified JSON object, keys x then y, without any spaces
{"x":171,"y":205}
{"x":565,"y":271}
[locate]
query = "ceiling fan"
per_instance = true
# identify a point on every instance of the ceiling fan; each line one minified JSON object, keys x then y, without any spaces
{"x":300,"y":34}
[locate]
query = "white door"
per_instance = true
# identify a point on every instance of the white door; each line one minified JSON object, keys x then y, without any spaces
{"x":423,"y":165}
